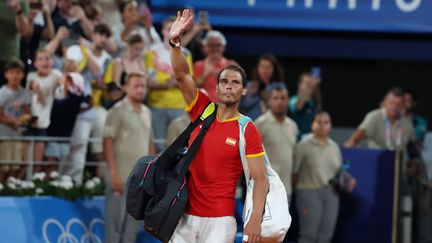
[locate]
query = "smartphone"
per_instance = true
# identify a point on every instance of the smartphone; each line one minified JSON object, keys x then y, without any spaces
{"x":203,"y":17}
{"x":316,"y":72}
{"x":72,"y":40}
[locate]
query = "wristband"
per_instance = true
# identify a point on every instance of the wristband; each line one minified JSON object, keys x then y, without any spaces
{"x":173,"y":45}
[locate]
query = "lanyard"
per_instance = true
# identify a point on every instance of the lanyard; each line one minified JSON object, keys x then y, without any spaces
{"x":388,"y":127}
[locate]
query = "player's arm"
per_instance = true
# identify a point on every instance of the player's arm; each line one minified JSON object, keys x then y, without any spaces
{"x":180,"y":66}
{"x":357,"y":136}
{"x":261,"y":186}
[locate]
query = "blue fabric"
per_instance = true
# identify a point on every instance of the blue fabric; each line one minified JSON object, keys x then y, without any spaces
{"x":304,"y":117}
{"x":59,"y":20}
{"x":420,"y":126}
{"x":250,"y":106}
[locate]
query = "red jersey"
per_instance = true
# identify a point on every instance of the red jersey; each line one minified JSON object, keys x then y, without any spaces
{"x":214,"y":172}
{"x":210,"y":83}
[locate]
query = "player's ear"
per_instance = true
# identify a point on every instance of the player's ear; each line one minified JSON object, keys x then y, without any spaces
{"x":244,"y":91}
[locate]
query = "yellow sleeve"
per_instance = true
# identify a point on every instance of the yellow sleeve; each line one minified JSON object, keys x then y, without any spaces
{"x":109,"y":74}
{"x":190,"y":63}
{"x":148,"y":59}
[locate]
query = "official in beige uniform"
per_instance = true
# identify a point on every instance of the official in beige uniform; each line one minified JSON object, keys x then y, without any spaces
{"x":176,"y":127}
{"x":386,"y":127}
{"x":279,"y":134}
{"x":317,"y":160}
{"x":127,"y":137}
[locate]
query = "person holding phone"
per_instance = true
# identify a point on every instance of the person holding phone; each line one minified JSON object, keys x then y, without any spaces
{"x":68,"y":13}
{"x":134,"y":22}
{"x":165,"y":98}
{"x":192,"y":38}
{"x":37,"y":30}
{"x":302,"y":106}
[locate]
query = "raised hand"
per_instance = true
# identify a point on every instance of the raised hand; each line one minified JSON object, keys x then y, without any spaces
{"x":78,"y":12}
{"x":14,"y":4}
{"x":62,"y":33}
{"x":183,"y":22}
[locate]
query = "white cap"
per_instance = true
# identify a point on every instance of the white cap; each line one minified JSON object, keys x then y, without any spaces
{"x":74,"y":53}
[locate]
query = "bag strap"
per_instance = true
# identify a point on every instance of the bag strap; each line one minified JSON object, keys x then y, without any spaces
{"x":183,"y":166}
{"x":183,"y":139}
{"x":243,"y":121}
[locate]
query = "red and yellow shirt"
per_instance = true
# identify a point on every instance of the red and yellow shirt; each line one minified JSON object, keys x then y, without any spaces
{"x":217,"y":165}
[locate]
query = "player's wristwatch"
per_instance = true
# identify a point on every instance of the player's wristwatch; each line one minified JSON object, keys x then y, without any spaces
{"x":176,"y":44}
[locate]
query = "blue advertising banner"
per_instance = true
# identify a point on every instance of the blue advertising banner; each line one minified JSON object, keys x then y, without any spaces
{"x":48,"y":219}
{"x":408,"y":16}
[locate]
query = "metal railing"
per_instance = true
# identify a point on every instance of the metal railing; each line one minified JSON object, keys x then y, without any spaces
{"x":31,"y":140}
{"x":30,"y":162}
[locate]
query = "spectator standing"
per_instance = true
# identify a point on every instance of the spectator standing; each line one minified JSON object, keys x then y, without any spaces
{"x":386,"y":127}
{"x":165,"y":98}
{"x":279,"y":134}
{"x":206,"y":70}
{"x":127,"y":137}
{"x":13,"y":24}
{"x":40,"y":27}
{"x":420,"y":124}
{"x":83,"y":125}
{"x":42,"y":84}
{"x":101,"y":59}
{"x":132,"y":24}
{"x":192,"y":38}
{"x":110,"y":12}
{"x":302,"y":106}
{"x":73,"y":17}
{"x":14,"y":114}
{"x":66,"y":107}
{"x":131,"y":61}
{"x":268,"y":70}
{"x":317,"y":160}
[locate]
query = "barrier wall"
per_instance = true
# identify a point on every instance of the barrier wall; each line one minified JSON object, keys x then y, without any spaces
{"x":366,"y":215}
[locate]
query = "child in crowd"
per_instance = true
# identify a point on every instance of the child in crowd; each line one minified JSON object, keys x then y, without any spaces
{"x":42,"y":84}
{"x":14,"y":113}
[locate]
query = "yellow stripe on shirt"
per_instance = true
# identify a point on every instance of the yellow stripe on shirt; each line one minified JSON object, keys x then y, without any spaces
{"x":249,"y":156}
{"x":194,"y":101}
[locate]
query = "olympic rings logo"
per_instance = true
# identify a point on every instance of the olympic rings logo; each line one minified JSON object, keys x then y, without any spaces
{"x":66,"y":236}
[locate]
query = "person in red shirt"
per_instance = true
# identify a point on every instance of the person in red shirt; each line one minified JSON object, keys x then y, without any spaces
{"x":217,"y":165}
{"x":206,"y":70}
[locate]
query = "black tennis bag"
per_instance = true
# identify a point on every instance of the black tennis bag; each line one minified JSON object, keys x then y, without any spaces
{"x":157,"y":184}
